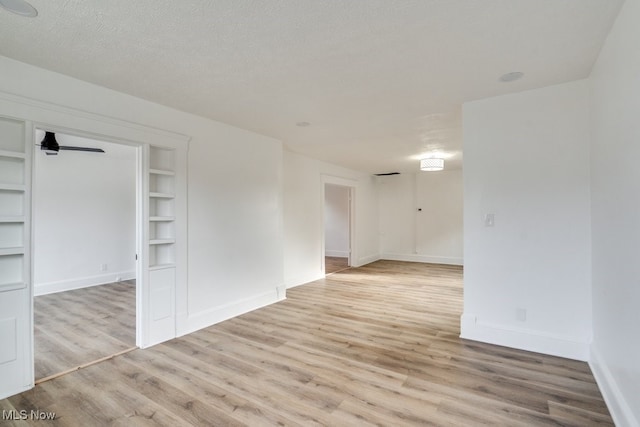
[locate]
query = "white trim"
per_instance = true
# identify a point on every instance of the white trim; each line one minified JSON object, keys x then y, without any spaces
{"x":224,"y":312}
{"x":431,"y":259}
{"x":28,"y":242}
{"x":17,"y":391}
{"x":58,"y":108}
{"x":351,"y":184}
{"x":366,"y":260}
{"x":616,"y":403}
{"x":524,"y":339}
{"x":298,"y":281}
{"x":83,"y":282}
{"x":340,"y":254}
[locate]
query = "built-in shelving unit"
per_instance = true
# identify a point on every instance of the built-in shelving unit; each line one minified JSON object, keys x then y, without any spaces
{"x":16,"y":329}
{"x":161,"y":208}
{"x":161,"y":244}
{"x":13,"y":233}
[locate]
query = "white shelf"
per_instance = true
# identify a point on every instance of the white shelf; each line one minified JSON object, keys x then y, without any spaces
{"x":161,"y":266}
{"x":161,"y":195}
{"x":11,"y":219}
{"x":162,"y":172}
{"x":12,"y":154}
{"x":161,"y":241}
{"x":11,"y":251}
{"x":162,"y":218}
{"x":12,"y":286}
{"x":12,"y":187}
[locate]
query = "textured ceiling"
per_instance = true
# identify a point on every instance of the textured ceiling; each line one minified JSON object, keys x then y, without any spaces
{"x":379,"y":81}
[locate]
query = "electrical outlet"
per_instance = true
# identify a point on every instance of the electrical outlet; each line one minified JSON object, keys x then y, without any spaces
{"x":521,"y":314}
{"x":103,"y":267}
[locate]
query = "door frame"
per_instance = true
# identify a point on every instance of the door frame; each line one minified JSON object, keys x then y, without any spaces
{"x":139,"y":212}
{"x":35,"y":113}
{"x":351,"y":185}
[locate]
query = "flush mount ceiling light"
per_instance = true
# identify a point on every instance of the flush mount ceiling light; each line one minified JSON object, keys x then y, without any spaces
{"x":19,"y":7}
{"x":511,"y":77}
{"x":431,"y":164}
{"x":303,"y":124}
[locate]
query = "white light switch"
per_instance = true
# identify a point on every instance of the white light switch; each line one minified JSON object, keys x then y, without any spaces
{"x":489,"y":220}
{"x":521,"y":314}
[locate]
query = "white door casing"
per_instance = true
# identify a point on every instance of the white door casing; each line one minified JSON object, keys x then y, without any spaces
{"x":352,"y":185}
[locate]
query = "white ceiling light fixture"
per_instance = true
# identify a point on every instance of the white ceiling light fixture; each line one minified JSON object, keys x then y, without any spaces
{"x":19,"y":7}
{"x":431,"y":164}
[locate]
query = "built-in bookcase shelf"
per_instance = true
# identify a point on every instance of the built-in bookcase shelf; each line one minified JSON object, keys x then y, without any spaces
{"x":12,"y":154}
{"x":161,"y":195}
{"x":13,"y":202}
{"x":162,"y":218}
{"x":162,"y":241}
{"x":12,"y":187}
{"x":11,"y":219}
{"x":161,"y":172}
{"x":161,"y":208}
{"x":5,"y":287}
{"x":12,"y":251}
{"x":161,"y":266}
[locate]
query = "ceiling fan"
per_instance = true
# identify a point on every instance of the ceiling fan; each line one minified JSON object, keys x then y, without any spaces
{"x":51,"y":147}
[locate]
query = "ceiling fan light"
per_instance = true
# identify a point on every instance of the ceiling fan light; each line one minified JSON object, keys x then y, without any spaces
{"x":49,"y":144}
{"x":431,"y":164}
{"x":19,"y":7}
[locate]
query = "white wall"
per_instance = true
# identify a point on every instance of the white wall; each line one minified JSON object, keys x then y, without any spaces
{"x":432,"y":234}
{"x":84,"y":215}
{"x":527,"y":162}
{"x":336,"y":220}
{"x":303,"y":223}
{"x":234,"y":186}
{"x":615,"y":190}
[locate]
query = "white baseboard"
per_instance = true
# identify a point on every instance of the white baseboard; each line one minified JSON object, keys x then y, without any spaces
{"x":618,"y":407}
{"x":83,"y":282}
{"x":303,"y":280}
{"x":340,"y":254}
{"x":423,"y":258}
{"x":365,"y":260}
{"x":523,"y":339}
{"x":224,"y":312}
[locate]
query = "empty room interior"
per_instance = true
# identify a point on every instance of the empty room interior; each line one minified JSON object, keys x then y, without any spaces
{"x":84,"y":230}
{"x":371,"y":212}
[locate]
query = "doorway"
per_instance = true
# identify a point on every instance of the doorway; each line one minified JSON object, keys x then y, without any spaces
{"x":84,"y":257}
{"x":161,"y":260}
{"x":337,"y":227}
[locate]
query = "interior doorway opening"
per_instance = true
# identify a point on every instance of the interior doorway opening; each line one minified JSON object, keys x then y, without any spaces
{"x":337,"y":227}
{"x":84,"y":235}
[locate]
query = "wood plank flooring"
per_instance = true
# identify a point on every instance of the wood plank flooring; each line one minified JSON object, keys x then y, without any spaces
{"x":76,"y":327}
{"x":376,"y":345}
{"x":333,"y":264}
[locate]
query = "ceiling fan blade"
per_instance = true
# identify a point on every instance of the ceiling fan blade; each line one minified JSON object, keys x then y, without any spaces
{"x":92,"y":150}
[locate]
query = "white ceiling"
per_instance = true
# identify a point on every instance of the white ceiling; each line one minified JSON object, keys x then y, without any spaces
{"x":379,"y":81}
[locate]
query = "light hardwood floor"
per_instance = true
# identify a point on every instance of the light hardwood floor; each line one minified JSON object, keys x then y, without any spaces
{"x":76,"y":327}
{"x":376,"y":345}
{"x":333,"y":264}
